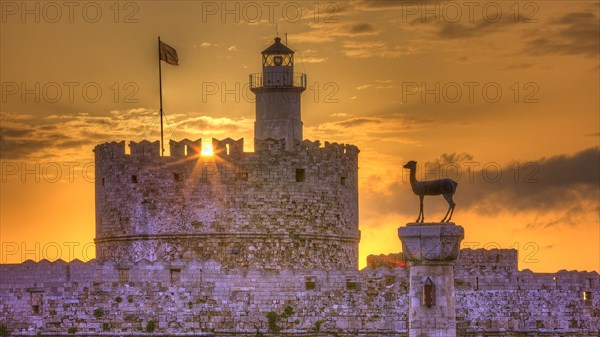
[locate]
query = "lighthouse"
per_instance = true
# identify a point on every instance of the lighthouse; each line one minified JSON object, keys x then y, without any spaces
{"x":278,"y":89}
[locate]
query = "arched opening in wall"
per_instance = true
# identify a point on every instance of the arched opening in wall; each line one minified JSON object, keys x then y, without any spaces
{"x":185,"y":150}
{"x":227,"y":149}
{"x":343,"y":181}
{"x":477,"y":283}
{"x":102,"y":181}
{"x":134,"y":179}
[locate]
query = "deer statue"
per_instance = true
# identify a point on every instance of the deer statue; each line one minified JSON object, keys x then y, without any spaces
{"x":445,"y":187}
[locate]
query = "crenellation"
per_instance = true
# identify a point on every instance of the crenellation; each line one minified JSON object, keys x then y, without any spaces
{"x":110,"y":150}
{"x":145,"y":149}
{"x":228,"y":147}
{"x":185,"y":147}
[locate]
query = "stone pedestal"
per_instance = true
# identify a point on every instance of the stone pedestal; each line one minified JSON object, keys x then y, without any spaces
{"x":431,"y":249}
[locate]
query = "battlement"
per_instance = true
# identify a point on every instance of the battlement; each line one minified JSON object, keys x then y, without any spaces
{"x":185,"y":148}
{"x":224,"y":147}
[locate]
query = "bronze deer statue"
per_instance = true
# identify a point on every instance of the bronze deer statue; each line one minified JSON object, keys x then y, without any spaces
{"x":445,"y":187}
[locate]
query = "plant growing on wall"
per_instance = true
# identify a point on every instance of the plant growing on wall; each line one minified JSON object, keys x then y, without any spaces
{"x":151,"y":326}
{"x":98,"y":313}
{"x":3,"y":331}
{"x":274,"y":319}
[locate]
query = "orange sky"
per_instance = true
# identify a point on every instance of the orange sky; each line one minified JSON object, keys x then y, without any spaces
{"x":487,"y":87}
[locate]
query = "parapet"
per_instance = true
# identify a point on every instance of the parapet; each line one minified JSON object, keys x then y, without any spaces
{"x":228,"y":147}
{"x":270,"y":145}
{"x":506,"y":259}
{"x":185,"y":147}
{"x":145,"y":149}
{"x":110,"y":150}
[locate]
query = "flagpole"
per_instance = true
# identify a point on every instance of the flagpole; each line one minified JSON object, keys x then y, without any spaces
{"x":162,"y":140}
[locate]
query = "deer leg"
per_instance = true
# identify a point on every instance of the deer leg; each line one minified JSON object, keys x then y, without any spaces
{"x":421,"y":217}
{"x":451,"y":205}
{"x":451,"y":212}
{"x":447,"y":212}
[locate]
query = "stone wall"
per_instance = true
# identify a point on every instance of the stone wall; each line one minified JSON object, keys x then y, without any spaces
{"x":271,"y":209}
{"x":197,"y":298}
{"x":203,"y":298}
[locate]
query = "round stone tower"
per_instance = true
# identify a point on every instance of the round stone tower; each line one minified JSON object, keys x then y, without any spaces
{"x":280,"y":207}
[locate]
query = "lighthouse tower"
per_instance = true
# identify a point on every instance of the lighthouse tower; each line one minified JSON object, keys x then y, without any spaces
{"x":278,"y":89}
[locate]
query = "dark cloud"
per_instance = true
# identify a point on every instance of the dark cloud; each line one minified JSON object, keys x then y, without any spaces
{"x":361,"y":28}
{"x":572,"y":34}
{"x":457,"y":30}
{"x":14,"y":144}
{"x":566,"y":184}
{"x":358,"y":122}
{"x":382,"y":5}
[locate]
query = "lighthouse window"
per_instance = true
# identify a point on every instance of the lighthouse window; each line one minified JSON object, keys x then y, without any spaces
{"x":300,"y":175}
{"x":343,"y":181}
{"x":178,"y":176}
{"x":134,"y":179}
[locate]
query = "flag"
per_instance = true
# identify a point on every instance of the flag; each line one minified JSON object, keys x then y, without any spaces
{"x":168,"y":54}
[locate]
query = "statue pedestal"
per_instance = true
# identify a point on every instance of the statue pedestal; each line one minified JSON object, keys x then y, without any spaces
{"x":431,"y":250}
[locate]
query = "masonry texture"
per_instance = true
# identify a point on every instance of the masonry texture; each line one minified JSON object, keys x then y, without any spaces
{"x":203,"y":298}
{"x":270,"y":209}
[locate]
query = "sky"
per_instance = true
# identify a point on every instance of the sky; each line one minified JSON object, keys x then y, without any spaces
{"x":501,"y":96}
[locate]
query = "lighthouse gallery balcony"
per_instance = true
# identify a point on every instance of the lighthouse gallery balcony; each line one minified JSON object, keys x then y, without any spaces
{"x":278,"y":80}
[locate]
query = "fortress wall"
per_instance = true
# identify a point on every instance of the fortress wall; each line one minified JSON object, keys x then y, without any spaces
{"x":197,"y":297}
{"x":194,"y":297}
{"x":272,"y":209}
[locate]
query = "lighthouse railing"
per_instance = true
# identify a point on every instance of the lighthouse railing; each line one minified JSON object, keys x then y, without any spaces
{"x":278,"y":80}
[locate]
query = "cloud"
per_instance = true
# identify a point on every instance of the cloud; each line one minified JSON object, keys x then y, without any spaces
{"x":232,"y":48}
{"x":560,"y":190}
{"x":327,"y":32}
{"x":76,"y":135}
{"x":313,"y":59}
{"x":379,"y":84}
{"x":574,"y":33}
{"x":367,"y":130}
{"x":359,"y":122}
{"x":386,"y":5}
{"x":480,"y":28}
{"x":365,"y":49}
{"x":340,"y":114}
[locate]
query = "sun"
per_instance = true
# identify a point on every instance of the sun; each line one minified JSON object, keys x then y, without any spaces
{"x":207,"y":150}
